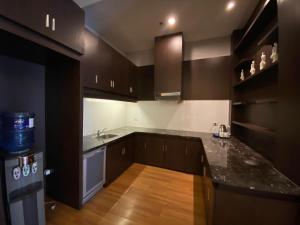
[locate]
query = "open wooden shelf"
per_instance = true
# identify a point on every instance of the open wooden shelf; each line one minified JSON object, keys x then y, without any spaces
{"x":242,"y":63}
{"x":255,"y":127}
{"x":258,"y":101}
{"x":256,"y":75}
{"x":257,"y":23}
{"x":270,"y":37}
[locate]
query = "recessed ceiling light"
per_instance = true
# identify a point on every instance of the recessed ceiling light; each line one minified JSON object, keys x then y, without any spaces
{"x":171,"y":21}
{"x":230,"y":5}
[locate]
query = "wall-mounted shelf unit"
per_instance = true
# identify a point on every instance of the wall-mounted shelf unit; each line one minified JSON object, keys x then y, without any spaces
{"x":255,"y":127}
{"x":250,"y":102}
{"x":257,"y":75}
{"x":258,"y":21}
{"x":270,"y":37}
{"x":255,"y":104}
{"x":243,"y":63}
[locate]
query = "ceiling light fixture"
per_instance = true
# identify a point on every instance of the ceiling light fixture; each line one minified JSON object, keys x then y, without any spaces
{"x":230,"y":5}
{"x":171,"y":21}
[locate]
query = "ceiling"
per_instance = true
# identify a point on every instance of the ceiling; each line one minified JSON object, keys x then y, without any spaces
{"x":131,"y":25}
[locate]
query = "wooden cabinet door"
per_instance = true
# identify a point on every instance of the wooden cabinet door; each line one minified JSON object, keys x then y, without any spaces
{"x":140,"y":148}
{"x":193,"y":159}
{"x":145,"y":83}
{"x":155,"y":150}
{"x":106,"y":67}
{"x":89,"y":64}
{"x":129,"y":152}
{"x":175,"y":153}
{"x":168,"y":57}
{"x":132,"y":83}
{"x":114,"y":162}
{"x":67,"y":23}
{"x":29,"y":13}
{"x":120,"y":77}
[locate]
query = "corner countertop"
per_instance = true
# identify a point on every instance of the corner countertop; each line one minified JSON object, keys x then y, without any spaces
{"x":226,"y":159}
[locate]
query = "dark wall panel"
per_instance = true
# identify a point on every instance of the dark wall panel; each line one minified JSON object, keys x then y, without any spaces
{"x":22,"y":88}
{"x":203,"y":79}
{"x":288,"y":155}
{"x":207,"y":79}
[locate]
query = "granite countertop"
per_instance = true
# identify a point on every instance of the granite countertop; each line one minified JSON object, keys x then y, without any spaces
{"x":226,"y":158}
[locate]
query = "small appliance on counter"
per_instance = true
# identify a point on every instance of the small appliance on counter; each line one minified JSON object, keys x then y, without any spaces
{"x":221,"y":131}
{"x":16,"y":132}
{"x":22,"y":179}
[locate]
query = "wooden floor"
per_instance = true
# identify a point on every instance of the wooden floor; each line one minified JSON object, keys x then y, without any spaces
{"x":143,"y":195}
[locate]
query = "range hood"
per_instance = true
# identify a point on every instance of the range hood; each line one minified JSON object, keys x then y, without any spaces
{"x":168,"y":59}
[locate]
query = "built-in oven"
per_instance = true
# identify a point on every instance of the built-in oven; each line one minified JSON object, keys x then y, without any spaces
{"x":94,"y":164}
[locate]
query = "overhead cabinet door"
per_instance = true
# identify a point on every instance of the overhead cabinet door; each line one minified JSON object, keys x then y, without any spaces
{"x":90,"y":69}
{"x":60,"y":20}
{"x":66,"y":23}
{"x":29,"y":13}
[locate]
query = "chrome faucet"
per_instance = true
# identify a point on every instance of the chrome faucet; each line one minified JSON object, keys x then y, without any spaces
{"x":99,"y":132}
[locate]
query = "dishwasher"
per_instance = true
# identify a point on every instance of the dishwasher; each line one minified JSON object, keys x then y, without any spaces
{"x":94,"y":165}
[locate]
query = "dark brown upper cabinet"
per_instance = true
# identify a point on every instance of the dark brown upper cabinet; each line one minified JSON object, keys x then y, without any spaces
{"x":60,"y":20}
{"x":145,"y":83}
{"x":168,"y":58}
{"x":105,"y":69}
{"x":90,"y":68}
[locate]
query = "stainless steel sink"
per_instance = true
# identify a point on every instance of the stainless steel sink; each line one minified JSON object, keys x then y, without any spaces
{"x":106,"y":136}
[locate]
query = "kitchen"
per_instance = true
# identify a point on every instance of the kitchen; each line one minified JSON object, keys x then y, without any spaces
{"x":149,"y":112}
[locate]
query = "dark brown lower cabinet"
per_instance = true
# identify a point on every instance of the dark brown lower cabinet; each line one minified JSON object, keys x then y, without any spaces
{"x":194,"y":156}
{"x":224,"y":205}
{"x":139,"y":143}
{"x":175,"y":153}
{"x":118,"y":158}
{"x":155,"y":150}
{"x":170,"y":152}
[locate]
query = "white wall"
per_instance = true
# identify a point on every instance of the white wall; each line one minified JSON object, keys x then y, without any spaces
{"x":192,"y":50}
{"x":186,"y":115}
{"x":99,"y":114}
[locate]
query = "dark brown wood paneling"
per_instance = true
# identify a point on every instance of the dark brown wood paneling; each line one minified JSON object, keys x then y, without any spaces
{"x":207,"y":79}
{"x":168,"y":57}
{"x":64,"y":130}
{"x":288,"y":155}
{"x":145,"y":83}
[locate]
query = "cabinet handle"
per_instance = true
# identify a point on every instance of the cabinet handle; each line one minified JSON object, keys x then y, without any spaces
{"x":202,"y":159}
{"x":113,"y":84}
{"x":96,"y":79}
{"x":204,"y":171}
{"x":123,"y":151}
{"x":53,"y":24}
{"x":130,"y":89}
{"x":208,"y":194}
{"x":47,"y":23}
